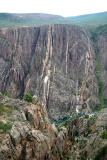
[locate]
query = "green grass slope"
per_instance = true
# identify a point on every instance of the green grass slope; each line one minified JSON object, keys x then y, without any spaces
{"x":89,"y":20}
{"x":35,"y":19}
{"x":17,"y":20}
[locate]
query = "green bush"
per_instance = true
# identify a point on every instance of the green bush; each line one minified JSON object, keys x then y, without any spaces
{"x":6,"y":94}
{"x":28,"y":97}
{"x":86,"y":116}
{"x":5,"y":126}
{"x":104,"y":135}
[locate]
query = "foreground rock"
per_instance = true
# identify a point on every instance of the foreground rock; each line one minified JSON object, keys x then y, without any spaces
{"x":27,"y":134}
{"x":31,"y":136}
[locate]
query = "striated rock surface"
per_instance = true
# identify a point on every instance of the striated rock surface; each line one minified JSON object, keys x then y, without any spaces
{"x":54,"y":63}
{"x":102,"y":52}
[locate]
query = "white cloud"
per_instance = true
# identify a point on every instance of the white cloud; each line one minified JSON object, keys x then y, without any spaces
{"x":61,"y":7}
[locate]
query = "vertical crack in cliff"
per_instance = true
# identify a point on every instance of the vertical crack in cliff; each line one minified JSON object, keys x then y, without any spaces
{"x":33,"y":48}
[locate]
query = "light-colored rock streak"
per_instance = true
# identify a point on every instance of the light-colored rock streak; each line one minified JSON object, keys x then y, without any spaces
{"x":46,"y":68}
{"x":48,"y":52}
{"x":46,"y":88}
{"x":67,"y":59}
{"x":78,"y":106}
{"x":88,"y":55}
{"x":87,"y":63}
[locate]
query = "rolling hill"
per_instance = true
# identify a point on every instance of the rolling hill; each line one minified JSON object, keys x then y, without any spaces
{"x":17,"y":20}
{"x":35,"y":19}
{"x":89,"y":20}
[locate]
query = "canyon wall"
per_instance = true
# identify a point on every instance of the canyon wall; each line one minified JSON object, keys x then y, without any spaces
{"x":55,"y":63}
{"x":102,"y":53}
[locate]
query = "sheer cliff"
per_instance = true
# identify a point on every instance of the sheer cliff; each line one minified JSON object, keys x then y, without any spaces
{"x":55,"y":63}
{"x":102,"y":53}
{"x":65,"y":72}
{"x":99,"y":38}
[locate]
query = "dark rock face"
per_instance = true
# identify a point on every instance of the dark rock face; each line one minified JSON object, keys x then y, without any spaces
{"x":102,"y":50}
{"x":53,"y":62}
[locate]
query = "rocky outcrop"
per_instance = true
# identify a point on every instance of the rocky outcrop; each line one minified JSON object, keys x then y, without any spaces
{"x":31,"y":136}
{"x":26,"y":133}
{"x":53,"y":62}
{"x":85,"y":133}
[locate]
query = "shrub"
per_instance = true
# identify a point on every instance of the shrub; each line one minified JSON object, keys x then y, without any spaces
{"x":104,"y":135}
{"x":5,"y":126}
{"x":86,"y":116}
{"x":6,"y":94}
{"x":28,"y":97}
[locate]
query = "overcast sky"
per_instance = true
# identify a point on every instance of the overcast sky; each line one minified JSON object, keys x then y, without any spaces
{"x":59,"y":7}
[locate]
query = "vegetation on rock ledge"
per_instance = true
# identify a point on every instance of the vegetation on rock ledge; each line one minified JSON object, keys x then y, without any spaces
{"x":28,"y":97}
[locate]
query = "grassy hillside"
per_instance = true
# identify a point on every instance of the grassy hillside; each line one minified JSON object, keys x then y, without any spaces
{"x":89,"y":20}
{"x":16,"y":20}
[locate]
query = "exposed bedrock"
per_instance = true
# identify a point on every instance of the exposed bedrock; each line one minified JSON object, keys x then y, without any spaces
{"x":102,"y":52}
{"x":29,"y":135}
{"x":54,"y":62}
